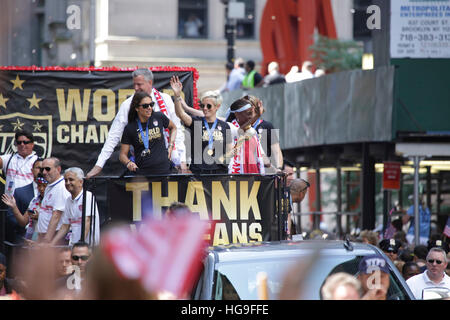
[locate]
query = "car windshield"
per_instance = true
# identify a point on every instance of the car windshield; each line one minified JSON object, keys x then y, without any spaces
{"x":238,"y":280}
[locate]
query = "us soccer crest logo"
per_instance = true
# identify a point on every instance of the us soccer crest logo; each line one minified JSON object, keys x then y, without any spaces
{"x":40,"y":126}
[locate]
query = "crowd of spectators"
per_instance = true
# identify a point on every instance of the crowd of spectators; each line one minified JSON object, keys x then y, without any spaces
{"x":243,"y":75}
{"x":50,"y":213}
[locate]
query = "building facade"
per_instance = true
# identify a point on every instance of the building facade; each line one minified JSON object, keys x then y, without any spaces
{"x":136,"y":33}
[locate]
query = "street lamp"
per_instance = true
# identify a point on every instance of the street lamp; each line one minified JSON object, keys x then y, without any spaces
{"x":233,"y":11}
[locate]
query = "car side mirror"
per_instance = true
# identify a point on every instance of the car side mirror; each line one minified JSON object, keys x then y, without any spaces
{"x":436,"y":293}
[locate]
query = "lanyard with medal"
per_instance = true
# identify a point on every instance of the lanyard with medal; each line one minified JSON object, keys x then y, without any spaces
{"x":210,"y":135}
{"x":144,"y":137}
{"x":257,"y":123}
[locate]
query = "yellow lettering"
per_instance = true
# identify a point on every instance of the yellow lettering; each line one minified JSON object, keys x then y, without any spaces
{"x":59,"y":133}
{"x":249,"y":201}
{"x":238,"y":236}
{"x":73,"y":99}
{"x":255,"y":232}
{"x":159,"y":201}
{"x":220,"y":197}
{"x":124,"y":94}
{"x":76,"y":134}
{"x":103,"y":133}
{"x":195,"y":190}
{"x":137,"y":188}
{"x":111,"y":105}
{"x":220,"y":234}
{"x":91,"y":134}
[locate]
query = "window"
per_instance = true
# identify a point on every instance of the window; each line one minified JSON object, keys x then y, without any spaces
{"x":245,"y":28}
{"x":192,"y":18}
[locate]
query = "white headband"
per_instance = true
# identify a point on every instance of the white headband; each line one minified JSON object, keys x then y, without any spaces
{"x":246,"y":107}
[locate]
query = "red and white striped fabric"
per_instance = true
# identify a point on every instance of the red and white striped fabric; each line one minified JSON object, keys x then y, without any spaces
{"x":163,"y":109}
{"x":165,"y":255}
{"x":447,"y":228}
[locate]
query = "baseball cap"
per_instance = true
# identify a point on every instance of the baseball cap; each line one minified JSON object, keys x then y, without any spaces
{"x":390,"y":245}
{"x":41,"y":180}
{"x":372,"y":263}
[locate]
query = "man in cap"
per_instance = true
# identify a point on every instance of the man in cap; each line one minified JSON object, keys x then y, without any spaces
{"x":390,"y":247}
{"x":434,"y":276}
{"x":374,"y":277}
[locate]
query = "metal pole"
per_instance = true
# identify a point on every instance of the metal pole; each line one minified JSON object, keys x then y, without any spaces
{"x":230,"y":32}
{"x":416,"y":201}
{"x":347,"y":199}
{"x":429,"y":188}
{"x":317,"y":217}
{"x":339,"y":201}
{"x":92,"y":33}
{"x":83,"y":215}
{"x":298,"y":219}
{"x":438,"y":194}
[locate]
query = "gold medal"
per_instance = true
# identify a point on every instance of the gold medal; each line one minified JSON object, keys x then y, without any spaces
{"x":210,"y":152}
{"x":145,"y":153}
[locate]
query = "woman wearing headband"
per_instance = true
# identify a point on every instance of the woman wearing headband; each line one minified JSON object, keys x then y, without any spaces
{"x":268,"y":137}
{"x":210,"y":136}
{"x":145,"y":132}
{"x":248,"y":153}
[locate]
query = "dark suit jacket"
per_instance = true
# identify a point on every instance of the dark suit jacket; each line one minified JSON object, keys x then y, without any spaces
{"x":23,"y":196}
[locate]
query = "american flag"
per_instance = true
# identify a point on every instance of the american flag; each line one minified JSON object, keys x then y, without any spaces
{"x":390,"y":230}
{"x":447,"y":228}
{"x":165,"y":255}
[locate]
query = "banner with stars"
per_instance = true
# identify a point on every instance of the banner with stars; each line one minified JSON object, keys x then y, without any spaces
{"x":70,"y":110}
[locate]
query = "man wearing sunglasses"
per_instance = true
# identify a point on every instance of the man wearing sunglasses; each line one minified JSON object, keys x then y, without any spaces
{"x":143,"y":82}
{"x":434,"y":275}
{"x":17,"y":166}
{"x":81,"y":253}
{"x":54,"y":201}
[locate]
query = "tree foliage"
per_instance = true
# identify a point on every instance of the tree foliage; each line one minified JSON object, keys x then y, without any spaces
{"x":335,"y":55}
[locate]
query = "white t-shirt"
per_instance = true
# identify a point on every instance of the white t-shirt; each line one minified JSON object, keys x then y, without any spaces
{"x":54,"y":199}
{"x":121,"y":120}
{"x":73,"y":213}
{"x":19,"y":170}
{"x":421,"y":281}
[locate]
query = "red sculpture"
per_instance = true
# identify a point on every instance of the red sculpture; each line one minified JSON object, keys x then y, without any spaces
{"x":287,"y":30}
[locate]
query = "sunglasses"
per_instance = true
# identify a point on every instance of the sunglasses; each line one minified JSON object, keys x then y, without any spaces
{"x":23,"y":142}
{"x":208,"y":106}
{"x":147,"y":105}
{"x":84,"y":258}
{"x":431,"y":261}
{"x":45,"y":168}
